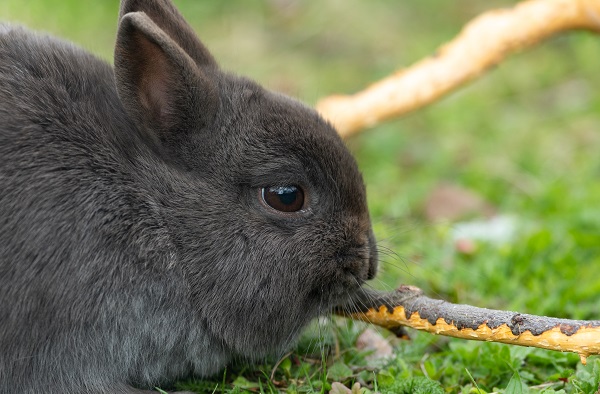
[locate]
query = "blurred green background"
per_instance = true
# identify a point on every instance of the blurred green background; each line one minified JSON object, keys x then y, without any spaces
{"x":523,"y":141}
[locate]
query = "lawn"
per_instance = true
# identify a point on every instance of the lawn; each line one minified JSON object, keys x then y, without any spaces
{"x":522,"y":142}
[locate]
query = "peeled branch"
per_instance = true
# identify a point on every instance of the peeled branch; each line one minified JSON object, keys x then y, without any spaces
{"x":483,"y":43}
{"x":408,"y":307}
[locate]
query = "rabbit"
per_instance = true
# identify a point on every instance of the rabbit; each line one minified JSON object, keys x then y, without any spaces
{"x":164,"y":218}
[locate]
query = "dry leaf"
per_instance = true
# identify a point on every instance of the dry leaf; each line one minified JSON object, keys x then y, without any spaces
{"x":371,"y":340}
{"x":452,"y":202}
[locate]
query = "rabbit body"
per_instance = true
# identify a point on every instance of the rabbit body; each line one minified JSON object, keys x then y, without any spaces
{"x":135,"y":244}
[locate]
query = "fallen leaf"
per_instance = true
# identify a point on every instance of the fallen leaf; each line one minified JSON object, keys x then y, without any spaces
{"x":371,"y":340}
{"x":452,"y":202}
{"x":338,"y":388}
{"x":465,"y":246}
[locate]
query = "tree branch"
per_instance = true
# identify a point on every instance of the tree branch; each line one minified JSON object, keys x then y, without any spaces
{"x":409,"y":307}
{"x":483,"y":43}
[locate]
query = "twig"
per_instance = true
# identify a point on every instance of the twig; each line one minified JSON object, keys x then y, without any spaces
{"x":409,"y":307}
{"x":483,"y":43}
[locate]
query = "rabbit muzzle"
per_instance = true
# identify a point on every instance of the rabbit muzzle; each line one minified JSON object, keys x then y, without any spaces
{"x":359,"y":260}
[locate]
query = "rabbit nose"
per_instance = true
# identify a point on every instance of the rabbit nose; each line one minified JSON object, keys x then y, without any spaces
{"x":359,"y":256}
{"x":360,"y":259}
{"x":353,"y":260}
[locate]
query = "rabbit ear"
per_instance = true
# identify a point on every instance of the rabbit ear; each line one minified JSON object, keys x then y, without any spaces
{"x":159,"y":84}
{"x":164,"y":14}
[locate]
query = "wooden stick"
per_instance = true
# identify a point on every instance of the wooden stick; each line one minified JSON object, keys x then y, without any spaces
{"x":483,"y":43}
{"x":409,"y":307}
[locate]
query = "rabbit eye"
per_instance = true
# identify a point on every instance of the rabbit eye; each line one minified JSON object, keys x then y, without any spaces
{"x":283,"y":198}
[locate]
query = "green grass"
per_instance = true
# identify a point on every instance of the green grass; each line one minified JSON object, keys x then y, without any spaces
{"x":525,"y":138}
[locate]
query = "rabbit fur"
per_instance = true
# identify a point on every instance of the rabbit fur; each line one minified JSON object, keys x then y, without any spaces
{"x":135,"y":247}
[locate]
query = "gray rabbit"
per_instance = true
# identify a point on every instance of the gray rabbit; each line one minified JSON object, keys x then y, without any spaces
{"x":164,"y":218}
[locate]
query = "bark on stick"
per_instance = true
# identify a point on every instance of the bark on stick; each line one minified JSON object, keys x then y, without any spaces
{"x":409,"y":307}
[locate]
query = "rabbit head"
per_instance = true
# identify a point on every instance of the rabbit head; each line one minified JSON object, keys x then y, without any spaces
{"x":265,"y":206}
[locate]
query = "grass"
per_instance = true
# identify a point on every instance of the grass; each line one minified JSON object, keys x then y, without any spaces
{"x":525,"y":138}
